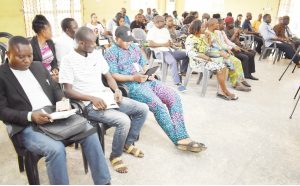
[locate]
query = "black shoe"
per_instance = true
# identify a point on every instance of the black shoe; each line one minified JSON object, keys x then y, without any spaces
{"x":252,"y":77}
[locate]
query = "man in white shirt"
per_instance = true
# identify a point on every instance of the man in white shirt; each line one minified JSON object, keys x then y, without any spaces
{"x":176,"y":19}
{"x":25,"y":87}
{"x":270,"y":38}
{"x":80,"y":73}
{"x":65,"y":43}
{"x":160,"y":40}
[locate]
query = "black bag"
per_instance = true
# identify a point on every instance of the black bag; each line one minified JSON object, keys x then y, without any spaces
{"x":73,"y":128}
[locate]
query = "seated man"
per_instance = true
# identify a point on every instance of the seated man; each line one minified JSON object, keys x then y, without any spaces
{"x":219,"y":49}
{"x":138,"y":22}
{"x":248,"y":29}
{"x":176,"y":39}
{"x":270,"y":37}
{"x":80,"y":74}
{"x":66,"y":43}
{"x":246,"y":55}
{"x":26,"y":86}
{"x":160,"y":40}
{"x":283,"y":31}
{"x":126,"y":60}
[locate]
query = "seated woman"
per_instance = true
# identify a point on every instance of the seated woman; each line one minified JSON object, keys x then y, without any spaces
{"x":197,"y":46}
{"x":126,"y":61}
{"x":43,"y":46}
{"x":96,"y":26}
{"x":120,"y":21}
{"x":218,"y":49}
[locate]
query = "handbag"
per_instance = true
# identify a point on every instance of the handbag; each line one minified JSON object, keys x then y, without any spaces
{"x":72,"y":128}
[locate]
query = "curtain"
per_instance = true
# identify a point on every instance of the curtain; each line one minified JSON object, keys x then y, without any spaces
{"x":54,"y":10}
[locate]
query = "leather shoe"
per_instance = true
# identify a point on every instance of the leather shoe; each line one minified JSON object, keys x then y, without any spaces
{"x":252,"y":77}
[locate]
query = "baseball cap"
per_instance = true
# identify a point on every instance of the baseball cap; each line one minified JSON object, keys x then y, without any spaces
{"x":229,"y":19}
{"x":124,"y":33}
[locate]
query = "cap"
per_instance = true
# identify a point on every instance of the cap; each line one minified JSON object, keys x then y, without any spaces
{"x":124,"y":33}
{"x":229,"y":19}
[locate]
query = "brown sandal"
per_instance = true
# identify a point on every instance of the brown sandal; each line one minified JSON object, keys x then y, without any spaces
{"x":118,"y":165}
{"x":134,"y":151}
{"x":191,"y":147}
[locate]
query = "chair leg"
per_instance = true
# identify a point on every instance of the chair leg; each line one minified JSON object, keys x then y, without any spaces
{"x":164,"y":71}
{"x":21,"y":163}
{"x":101,"y":133}
{"x":262,"y":54}
{"x":276,"y":56}
{"x":188,"y":75}
{"x":205,"y":82}
{"x":200,"y":78}
{"x":31,"y":168}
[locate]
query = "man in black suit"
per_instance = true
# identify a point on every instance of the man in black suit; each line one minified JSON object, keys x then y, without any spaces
{"x":26,"y":86}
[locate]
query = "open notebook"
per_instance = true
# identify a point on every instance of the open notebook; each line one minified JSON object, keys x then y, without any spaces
{"x":61,"y":114}
{"x":108,"y":97}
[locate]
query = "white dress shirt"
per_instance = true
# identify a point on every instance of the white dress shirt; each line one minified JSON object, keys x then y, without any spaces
{"x":267,"y":33}
{"x":159,"y":36}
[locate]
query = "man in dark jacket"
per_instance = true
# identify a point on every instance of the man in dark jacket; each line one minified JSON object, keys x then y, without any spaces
{"x":26,"y":86}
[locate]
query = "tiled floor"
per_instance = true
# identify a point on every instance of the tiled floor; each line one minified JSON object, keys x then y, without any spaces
{"x":250,"y":141}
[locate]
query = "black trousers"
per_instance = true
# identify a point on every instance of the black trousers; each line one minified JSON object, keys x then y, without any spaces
{"x":259,"y":42}
{"x":289,"y":51}
{"x":248,"y":61}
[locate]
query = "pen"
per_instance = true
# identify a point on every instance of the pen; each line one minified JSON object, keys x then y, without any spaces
{"x":43,"y":111}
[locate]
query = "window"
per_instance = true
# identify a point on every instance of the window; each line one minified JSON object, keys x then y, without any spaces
{"x":143,"y":4}
{"x":211,"y":6}
{"x":54,"y":10}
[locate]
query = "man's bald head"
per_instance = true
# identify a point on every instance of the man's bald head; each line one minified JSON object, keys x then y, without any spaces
{"x":212,"y":21}
{"x":286,"y":20}
{"x":158,"y":18}
{"x":84,"y":33}
{"x":212,"y":24}
{"x":85,"y":40}
{"x":249,"y":15}
{"x":159,"y":21}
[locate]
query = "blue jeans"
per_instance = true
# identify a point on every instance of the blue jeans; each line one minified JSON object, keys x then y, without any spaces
{"x":55,"y":154}
{"x":128,"y":120}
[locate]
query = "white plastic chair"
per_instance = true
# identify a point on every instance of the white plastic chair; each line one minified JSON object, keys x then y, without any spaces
{"x":273,"y":49}
{"x":203,"y":76}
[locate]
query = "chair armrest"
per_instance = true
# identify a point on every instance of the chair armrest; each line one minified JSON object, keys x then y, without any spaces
{"x":78,"y":105}
{"x":123,"y":88}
